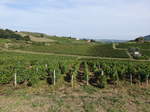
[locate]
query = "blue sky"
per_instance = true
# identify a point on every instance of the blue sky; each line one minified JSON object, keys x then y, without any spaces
{"x":101,"y":19}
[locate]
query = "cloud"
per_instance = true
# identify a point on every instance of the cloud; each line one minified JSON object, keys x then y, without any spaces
{"x":83,"y":18}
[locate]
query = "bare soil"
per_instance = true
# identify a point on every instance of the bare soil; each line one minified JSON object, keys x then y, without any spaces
{"x":78,"y":99}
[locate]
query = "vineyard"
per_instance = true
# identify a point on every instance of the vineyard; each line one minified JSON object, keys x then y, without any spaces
{"x":29,"y":69}
{"x":46,"y":83}
{"x":72,"y":48}
{"x":146,"y":52}
{"x":128,"y":45}
{"x":45,"y":73}
{"x":143,"y":48}
{"x":43,"y":43}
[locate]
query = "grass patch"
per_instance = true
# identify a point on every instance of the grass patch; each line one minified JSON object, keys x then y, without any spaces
{"x":89,"y":89}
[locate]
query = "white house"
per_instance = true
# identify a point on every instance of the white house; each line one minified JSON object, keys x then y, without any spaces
{"x":77,"y":39}
{"x":137,"y":53}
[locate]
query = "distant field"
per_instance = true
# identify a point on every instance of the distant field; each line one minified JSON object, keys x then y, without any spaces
{"x":144,"y":47}
{"x":129,"y":45}
{"x":88,"y":49}
{"x":52,"y":38}
{"x":63,"y":45}
{"x":146,"y":52}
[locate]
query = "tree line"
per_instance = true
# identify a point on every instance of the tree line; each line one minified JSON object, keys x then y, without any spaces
{"x":9,"y":34}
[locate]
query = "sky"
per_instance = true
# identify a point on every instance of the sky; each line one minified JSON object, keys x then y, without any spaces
{"x":100,"y":19}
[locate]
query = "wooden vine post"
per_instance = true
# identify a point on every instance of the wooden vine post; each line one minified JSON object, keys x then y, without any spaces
{"x":73,"y":74}
{"x":37,"y":69}
{"x":86,"y":73}
{"x":147,"y":76}
{"x":72,"y":80}
{"x":139,"y":77}
{"x":46,"y":66}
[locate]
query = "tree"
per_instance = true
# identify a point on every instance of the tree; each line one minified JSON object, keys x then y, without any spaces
{"x":140,"y":39}
{"x":27,"y":38}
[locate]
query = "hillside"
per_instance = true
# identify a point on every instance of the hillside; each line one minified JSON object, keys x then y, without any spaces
{"x":111,"y":40}
{"x":61,"y":74}
{"x":142,"y":39}
{"x":44,"y":43}
{"x":143,"y":48}
{"x":147,"y":38}
{"x":9,"y":34}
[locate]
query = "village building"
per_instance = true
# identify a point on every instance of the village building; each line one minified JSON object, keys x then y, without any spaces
{"x":137,"y":54}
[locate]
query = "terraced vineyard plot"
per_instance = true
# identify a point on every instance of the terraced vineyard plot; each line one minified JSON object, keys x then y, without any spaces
{"x":143,"y":47}
{"x":106,"y":50}
{"x":146,"y":52}
{"x":137,"y":45}
{"x":88,"y":49}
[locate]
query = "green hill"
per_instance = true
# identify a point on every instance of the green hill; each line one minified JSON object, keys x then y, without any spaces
{"x":9,"y":34}
{"x":68,"y":45}
{"x":147,"y":38}
{"x":144,"y":47}
{"x":46,"y":72}
{"x":142,"y":39}
{"x":44,"y":43}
